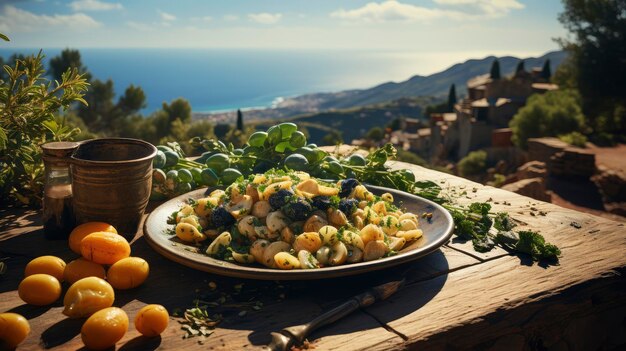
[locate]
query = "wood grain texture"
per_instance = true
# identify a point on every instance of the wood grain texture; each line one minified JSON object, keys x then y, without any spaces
{"x":455,"y":298}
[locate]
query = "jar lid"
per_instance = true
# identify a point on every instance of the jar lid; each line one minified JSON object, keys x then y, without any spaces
{"x":59,"y":149}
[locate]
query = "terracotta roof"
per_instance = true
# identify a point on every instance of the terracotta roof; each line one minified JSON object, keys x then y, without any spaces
{"x":449,"y":117}
{"x":480,"y":103}
{"x":486,"y":103}
{"x":545,"y":86}
{"x":424,"y":132}
{"x":478,"y":81}
{"x":502,"y":101}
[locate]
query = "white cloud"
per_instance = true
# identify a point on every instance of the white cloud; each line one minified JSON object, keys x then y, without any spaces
{"x":265,"y":18}
{"x":231,"y":17}
{"x":490,"y":8}
{"x":142,"y":27}
{"x":167,"y":16}
{"x":393,"y":10}
{"x":94,"y":5}
{"x":13,"y":19}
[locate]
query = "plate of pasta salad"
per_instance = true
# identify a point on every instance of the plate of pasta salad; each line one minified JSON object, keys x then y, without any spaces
{"x":291,"y":226}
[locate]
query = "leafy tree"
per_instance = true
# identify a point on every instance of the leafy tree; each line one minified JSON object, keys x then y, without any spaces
{"x":520,"y":67}
{"x":551,"y":114}
{"x":332,"y":138}
{"x":237,"y":137}
{"x":96,"y":114}
{"x":375,"y":134}
{"x":438,"y":108}
{"x":546,"y":71}
{"x":494,"y":73}
{"x":566,"y":75}
{"x":395,"y":124}
{"x":239,"y":120}
{"x":474,"y":164}
{"x":221,"y":129}
{"x":27,"y":120}
{"x":451,"y":98}
{"x":133,"y":100}
{"x":67,"y":59}
{"x":596,"y":46}
{"x":179,"y":108}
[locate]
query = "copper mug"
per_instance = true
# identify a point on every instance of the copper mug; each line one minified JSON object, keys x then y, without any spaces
{"x":111,"y":182}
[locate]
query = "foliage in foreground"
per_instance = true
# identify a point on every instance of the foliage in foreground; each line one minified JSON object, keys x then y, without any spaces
{"x":28,"y":104}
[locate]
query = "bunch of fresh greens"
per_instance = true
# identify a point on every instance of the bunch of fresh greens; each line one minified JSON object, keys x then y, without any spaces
{"x":28,"y":105}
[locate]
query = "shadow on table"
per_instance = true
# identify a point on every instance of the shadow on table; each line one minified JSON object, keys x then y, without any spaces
{"x":177,"y":287}
{"x":61,"y":332}
{"x":17,"y":251}
{"x":142,"y":343}
{"x":284,"y":303}
{"x":11,"y":218}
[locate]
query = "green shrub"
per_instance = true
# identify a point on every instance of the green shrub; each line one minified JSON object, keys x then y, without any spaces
{"x":28,"y":105}
{"x":409,"y":157}
{"x":550,"y":114}
{"x":375,"y":134}
{"x":574,"y":138}
{"x":475,"y":163}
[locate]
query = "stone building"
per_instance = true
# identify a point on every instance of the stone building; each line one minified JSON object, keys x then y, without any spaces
{"x":483,"y":116}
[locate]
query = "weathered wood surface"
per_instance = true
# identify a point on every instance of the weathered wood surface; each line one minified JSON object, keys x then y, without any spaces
{"x":455,"y":299}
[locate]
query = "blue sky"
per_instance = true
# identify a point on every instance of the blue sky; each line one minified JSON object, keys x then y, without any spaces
{"x":474,"y":27}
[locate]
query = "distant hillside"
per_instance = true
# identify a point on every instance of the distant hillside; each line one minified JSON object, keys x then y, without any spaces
{"x":354,"y":123}
{"x":436,"y":84}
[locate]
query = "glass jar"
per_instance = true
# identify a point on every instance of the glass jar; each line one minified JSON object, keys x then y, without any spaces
{"x":58,"y":216}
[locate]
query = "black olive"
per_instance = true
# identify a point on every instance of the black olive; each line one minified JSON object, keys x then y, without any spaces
{"x":321,"y":202}
{"x":279,"y":198}
{"x":347,"y":185}
{"x":297,"y":209}
{"x":220,"y":218}
{"x":348,"y":206}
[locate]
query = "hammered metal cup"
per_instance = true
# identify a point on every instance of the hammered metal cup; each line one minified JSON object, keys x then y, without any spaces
{"x":111,"y":182}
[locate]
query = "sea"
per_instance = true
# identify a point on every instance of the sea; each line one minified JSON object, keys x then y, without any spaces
{"x":215,"y":80}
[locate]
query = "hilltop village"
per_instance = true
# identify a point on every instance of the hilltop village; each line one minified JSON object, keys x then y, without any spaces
{"x":549,"y":169}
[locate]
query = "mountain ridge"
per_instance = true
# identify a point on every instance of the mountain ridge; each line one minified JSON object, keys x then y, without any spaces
{"x":435,"y":85}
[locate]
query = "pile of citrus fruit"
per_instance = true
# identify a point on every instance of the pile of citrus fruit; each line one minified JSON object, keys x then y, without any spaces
{"x":91,"y":289}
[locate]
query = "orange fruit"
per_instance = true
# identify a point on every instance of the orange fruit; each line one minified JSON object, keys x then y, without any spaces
{"x":104,"y":328}
{"x":77,"y":235}
{"x":152,"y":320}
{"x":14,"y":328}
{"x":39,"y":289}
{"x":104,"y":247}
{"x":81,"y":268}
{"x":46,"y":265}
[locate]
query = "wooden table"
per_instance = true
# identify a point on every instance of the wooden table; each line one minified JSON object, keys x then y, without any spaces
{"x":455,"y":298}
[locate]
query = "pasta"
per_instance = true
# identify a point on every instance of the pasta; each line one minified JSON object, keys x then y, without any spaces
{"x":293,"y":221}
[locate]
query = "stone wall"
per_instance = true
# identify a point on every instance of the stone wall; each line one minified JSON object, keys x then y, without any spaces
{"x":561,"y":158}
{"x":573,"y":162}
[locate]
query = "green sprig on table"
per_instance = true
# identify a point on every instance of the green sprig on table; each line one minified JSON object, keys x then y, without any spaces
{"x":284,"y":147}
